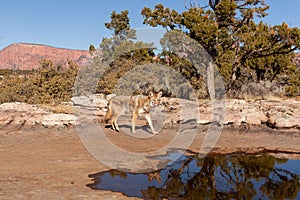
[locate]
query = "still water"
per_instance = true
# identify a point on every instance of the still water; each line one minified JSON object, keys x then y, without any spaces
{"x":213,"y":177}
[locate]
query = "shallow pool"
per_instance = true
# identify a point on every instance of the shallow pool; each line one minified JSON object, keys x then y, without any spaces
{"x":213,"y":177}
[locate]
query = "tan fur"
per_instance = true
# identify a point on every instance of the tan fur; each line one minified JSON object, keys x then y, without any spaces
{"x":137,"y":105}
{"x":172,"y":109}
{"x":108,"y":115}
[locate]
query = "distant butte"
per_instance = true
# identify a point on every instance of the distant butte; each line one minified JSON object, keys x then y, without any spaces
{"x":24,"y":56}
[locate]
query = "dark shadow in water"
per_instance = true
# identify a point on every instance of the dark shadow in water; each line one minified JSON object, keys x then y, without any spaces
{"x":213,"y":177}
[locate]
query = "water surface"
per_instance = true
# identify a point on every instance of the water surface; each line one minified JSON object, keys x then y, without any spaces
{"x":213,"y":177}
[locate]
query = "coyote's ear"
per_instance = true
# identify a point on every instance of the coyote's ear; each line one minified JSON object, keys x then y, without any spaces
{"x":159,"y":94}
{"x":150,"y":94}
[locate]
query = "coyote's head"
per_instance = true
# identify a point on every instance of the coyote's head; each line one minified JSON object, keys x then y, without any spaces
{"x":145,"y":103}
{"x":154,"y":98}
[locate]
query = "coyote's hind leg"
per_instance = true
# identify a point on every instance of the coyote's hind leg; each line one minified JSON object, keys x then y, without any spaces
{"x":134,"y":118}
{"x":114,"y":124}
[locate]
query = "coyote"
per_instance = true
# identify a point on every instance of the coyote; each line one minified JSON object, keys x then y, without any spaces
{"x":137,"y":105}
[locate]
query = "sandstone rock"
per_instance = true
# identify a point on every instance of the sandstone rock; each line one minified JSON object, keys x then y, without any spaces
{"x":99,"y":101}
{"x":5,"y":120}
{"x":58,"y":119}
{"x":67,"y":103}
{"x":255,"y":119}
{"x":236,"y":105}
{"x":110,"y":96}
{"x":254,"y":116}
{"x":204,"y":118}
{"x":81,"y":101}
{"x":287,"y":121}
{"x":189,"y":110}
{"x":17,"y":106}
{"x":97,"y":96}
{"x":283,"y":114}
{"x":233,"y":118}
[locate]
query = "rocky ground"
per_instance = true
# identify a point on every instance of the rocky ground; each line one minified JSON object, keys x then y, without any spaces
{"x":43,"y":155}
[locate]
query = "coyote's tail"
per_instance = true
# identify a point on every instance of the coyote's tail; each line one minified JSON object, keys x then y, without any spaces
{"x":108,"y":115}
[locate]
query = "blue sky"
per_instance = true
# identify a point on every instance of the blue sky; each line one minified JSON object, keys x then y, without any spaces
{"x":76,"y":24}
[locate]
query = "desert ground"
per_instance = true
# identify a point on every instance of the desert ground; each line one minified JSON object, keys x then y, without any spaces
{"x":53,"y":163}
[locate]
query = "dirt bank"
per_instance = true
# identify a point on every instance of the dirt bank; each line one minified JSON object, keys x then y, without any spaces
{"x":42,"y":163}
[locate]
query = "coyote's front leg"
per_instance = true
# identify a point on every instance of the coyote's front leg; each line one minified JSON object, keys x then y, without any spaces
{"x":148,"y":118}
{"x":134,"y":118}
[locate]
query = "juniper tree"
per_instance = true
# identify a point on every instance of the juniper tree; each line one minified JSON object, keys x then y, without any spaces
{"x":243,"y":47}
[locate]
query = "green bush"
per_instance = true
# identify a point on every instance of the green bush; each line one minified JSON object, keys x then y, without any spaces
{"x":49,"y":84}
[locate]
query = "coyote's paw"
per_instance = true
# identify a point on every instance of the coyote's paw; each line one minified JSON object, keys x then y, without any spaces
{"x":155,"y":132}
